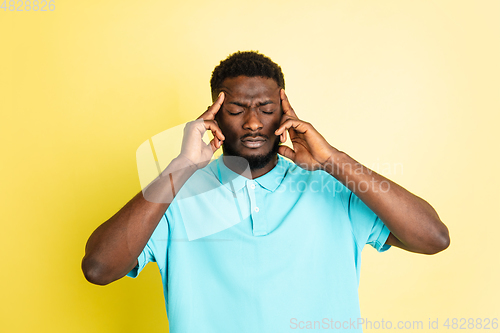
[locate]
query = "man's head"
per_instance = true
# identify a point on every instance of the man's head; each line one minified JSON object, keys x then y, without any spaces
{"x":248,"y":63}
{"x":251,"y":111}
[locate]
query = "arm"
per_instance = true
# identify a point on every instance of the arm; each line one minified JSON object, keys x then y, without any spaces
{"x":414,"y":224}
{"x":113,"y":248}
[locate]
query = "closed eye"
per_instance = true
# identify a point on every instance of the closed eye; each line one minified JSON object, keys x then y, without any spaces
{"x":268,"y":111}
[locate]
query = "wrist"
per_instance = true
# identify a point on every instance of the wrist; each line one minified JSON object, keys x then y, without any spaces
{"x":179,"y":165}
{"x":184,"y":161}
{"x":165,"y":187}
{"x":334,"y":163}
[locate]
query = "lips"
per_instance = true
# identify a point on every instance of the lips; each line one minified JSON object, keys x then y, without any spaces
{"x":253,"y":142}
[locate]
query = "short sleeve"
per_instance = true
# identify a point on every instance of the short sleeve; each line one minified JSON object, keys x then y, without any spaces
{"x":366,"y":225}
{"x":155,"y":249}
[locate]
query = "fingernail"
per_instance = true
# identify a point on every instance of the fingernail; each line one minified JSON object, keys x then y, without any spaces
{"x":219,"y":94}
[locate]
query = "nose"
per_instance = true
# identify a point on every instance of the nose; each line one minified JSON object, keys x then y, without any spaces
{"x":252,"y":121}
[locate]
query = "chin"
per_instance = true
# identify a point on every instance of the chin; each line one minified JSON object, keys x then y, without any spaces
{"x":259,"y":159}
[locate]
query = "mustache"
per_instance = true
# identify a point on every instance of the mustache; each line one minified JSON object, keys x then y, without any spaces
{"x":250,"y":135}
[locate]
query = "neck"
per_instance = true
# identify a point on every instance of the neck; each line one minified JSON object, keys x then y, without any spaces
{"x":262,"y":171}
{"x":240,"y":165}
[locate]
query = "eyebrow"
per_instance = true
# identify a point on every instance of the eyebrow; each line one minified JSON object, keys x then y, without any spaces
{"x":246,"y":105}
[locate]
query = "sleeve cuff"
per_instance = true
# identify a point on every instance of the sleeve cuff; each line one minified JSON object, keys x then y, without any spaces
{"x":138,"y":268}
{"x":380,"y":244}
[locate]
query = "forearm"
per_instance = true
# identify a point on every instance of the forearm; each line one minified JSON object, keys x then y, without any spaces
{"x":409,"y":218}
{"x":113,"y":248}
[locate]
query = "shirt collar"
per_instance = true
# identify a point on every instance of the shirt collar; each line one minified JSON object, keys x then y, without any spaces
{"x":273,"y":178}
{"x":235,"y":182}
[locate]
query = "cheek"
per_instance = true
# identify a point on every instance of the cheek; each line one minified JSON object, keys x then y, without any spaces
{"x":275,"y":123}
{"x":227,"y":127}
{"x":221,"y":121}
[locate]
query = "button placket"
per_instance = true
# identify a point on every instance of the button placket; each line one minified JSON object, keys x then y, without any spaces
{"x":258,"y":219}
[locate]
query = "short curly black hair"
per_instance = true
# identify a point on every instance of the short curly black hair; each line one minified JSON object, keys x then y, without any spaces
{"x":247,"y":63}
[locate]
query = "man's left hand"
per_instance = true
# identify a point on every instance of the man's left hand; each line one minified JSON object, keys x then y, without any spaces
{"x":310,"y":149}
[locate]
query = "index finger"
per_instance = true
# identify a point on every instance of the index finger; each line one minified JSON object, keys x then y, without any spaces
{"x":214,"y":108}
{"x":285,"y":104}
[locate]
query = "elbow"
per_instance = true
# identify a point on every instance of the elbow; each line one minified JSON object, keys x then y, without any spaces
{"x":94,"y":272}
{"x":440,"y":241}
{"x":445,"y":240}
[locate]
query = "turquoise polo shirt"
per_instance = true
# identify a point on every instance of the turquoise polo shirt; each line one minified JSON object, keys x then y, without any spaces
{"x":278,"y":253}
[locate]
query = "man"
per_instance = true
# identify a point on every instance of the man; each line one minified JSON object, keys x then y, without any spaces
{"x":269,"y":250}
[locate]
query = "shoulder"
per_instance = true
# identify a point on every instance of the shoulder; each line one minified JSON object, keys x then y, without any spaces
{"x":203,"y":179}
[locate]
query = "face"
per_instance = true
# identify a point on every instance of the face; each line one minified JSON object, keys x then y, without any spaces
{"x":248,"y":118}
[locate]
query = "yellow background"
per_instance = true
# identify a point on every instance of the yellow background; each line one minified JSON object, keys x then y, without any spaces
{"x":413,"y":84}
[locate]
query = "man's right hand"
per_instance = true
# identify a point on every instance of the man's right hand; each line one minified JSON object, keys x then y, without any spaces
{"x":193,"y":146}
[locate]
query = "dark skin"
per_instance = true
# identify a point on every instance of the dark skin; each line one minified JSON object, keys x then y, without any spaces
{"x":255,"y":113}
{"x":249,"y":116}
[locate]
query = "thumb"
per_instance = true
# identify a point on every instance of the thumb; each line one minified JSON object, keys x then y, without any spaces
{"x":287,"y":152}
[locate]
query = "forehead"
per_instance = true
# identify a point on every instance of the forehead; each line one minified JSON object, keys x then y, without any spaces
{"x":244,"y":87}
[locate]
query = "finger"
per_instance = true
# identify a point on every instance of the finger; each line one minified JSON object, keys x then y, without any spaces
{"x":283,"y":136}
{"x":285,"y":104}
{"x":214,"y":128}
{"x":214,"y":108}
{"x":287,"y":152}
{"x":214,"y":144}
{"x":284,"y":118}
{"x":298,"y":125}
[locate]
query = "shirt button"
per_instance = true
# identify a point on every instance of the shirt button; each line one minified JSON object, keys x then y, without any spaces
{"x":252,"y":186}
{"x":256,"y":209}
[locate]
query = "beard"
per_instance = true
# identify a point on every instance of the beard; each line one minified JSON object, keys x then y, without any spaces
{"x":255,"y":162}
